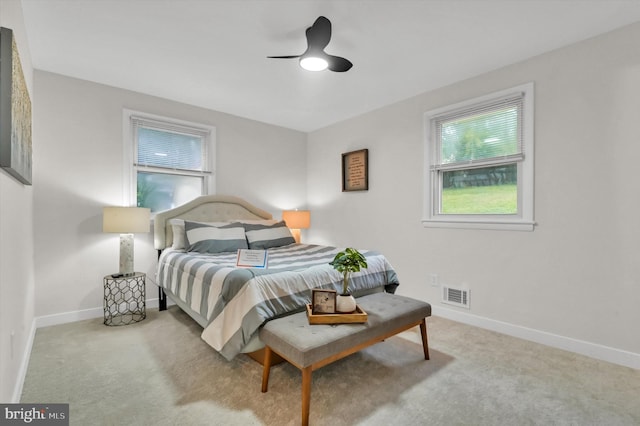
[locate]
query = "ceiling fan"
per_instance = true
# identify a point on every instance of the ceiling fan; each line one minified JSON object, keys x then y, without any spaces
{"x":315,"y":58}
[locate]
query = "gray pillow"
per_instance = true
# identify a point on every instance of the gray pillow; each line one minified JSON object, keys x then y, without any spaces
{"x":203,"y":238}
{"x":266,"y":236}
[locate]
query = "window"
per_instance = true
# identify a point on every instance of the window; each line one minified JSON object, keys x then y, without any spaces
{"x":479,"y":162}
{"x":170,"y":161}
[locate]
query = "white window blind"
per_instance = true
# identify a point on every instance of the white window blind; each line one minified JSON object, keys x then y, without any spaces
{"x":170,"y":161}
{"x":482,"y":135}
{"x":165,"y":145}
{"x":479,"y":162}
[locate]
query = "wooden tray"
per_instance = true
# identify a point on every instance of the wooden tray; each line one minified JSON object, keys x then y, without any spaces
{"x":359,"y":316}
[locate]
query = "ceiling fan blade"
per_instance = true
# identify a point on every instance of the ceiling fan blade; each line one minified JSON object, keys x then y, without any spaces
{"x":318,"y":37}
{"x":319,"y":34}
{"x":338,"y":64}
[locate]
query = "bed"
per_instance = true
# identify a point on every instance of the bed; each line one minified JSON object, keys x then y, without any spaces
{"x":197,"y":245}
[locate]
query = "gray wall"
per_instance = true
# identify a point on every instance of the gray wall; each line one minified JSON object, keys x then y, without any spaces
{"x":576,"y":275}
{"x":80,"y":169}
{"x":16,"y":242}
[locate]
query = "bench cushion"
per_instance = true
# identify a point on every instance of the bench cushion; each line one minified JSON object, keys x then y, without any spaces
{"x":304,"y":344}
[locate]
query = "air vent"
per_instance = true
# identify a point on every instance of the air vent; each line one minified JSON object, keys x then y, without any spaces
{"x":455,"y":296}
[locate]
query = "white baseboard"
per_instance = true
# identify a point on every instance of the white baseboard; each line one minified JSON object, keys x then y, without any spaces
{"x":24,"y":364}
{"x":66,"y":317}
{"x":593,"y":350}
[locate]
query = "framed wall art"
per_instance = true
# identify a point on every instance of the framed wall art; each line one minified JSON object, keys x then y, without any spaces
{"x":15,"y":112}
{"x":355,"y":170}
{"x":323,"y":301}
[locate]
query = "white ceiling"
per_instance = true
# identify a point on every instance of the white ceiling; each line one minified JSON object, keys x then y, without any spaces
{"x":212,"y":53}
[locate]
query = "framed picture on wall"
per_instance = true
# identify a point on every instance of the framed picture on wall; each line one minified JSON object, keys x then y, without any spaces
{"x":355,"y":170}
{"x":15,"y":112}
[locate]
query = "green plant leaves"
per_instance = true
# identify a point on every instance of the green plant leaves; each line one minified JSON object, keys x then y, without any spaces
{"x":348,"y":261}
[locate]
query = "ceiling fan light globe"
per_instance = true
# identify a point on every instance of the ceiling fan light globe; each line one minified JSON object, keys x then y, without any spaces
{"x":313,"y":63}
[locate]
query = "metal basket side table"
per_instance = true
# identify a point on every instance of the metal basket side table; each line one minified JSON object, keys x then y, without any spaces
{"x":124,"y":299}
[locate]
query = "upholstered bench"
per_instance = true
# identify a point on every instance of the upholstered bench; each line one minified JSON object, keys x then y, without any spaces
{"x":311,"y":346}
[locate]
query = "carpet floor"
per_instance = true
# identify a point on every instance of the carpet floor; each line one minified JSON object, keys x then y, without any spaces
{"x":159,"y":372}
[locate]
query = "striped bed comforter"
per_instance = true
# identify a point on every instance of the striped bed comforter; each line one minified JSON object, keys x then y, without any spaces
{"x":236,"y":301}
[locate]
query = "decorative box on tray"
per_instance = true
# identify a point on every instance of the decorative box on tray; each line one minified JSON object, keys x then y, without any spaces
{"x":359,"y":316}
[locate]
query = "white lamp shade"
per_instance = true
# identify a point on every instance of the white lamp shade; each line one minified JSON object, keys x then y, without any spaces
{"x":126,"y":220}
{"x":297,"y":219}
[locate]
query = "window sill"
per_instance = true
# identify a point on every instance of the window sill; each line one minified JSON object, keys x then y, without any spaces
{"x":495,"y":225}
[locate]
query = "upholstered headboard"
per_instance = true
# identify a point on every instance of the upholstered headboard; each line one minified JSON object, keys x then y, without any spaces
{"x":207,"y":208}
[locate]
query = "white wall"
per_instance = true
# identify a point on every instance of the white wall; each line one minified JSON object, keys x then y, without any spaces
{"x":576,"y":275}
{"x":79,"y":169}
{"x":16,"y":243}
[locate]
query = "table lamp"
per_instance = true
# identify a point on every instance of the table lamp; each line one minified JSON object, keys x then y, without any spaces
{"x":296,"y":220}
{"x":126,"y":221}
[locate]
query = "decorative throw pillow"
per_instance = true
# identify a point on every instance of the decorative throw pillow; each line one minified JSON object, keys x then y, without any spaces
{"x":204,"y":238}
{"x":257,"y":221}
{"x":177,"y":229}
{"x":266,"y":236}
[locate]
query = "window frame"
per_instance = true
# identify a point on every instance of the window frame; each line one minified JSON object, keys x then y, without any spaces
{"x":131,"y":168}
{"x":524,"y":219}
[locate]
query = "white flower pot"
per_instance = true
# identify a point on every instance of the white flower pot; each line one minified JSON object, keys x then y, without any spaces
{"x":345,"y":303}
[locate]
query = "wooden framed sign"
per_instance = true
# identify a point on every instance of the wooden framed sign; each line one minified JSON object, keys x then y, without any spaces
{"x":355,"y":170}
{"x":323,"y":301}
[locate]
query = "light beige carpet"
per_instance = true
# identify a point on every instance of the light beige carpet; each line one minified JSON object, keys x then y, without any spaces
{"x":159,"y":372}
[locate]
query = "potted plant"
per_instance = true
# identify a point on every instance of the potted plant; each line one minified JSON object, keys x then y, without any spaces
{"x":347,"y":261}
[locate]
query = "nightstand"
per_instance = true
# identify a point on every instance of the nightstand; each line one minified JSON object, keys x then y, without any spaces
{"x":124,"y":299}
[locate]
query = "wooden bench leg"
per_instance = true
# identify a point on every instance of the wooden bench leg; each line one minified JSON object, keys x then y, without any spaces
{"x":266,"y":368}
{"x":306,"y":394}
{"x":425,"y":344}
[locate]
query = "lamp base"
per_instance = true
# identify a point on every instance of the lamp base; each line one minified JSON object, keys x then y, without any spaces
{"x":126,"y":254}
